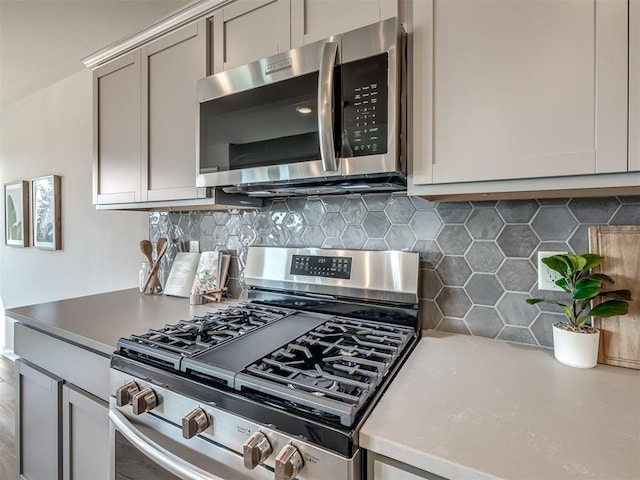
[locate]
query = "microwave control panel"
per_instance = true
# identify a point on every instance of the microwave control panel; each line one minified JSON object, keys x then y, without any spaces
{"x":365,"y":95}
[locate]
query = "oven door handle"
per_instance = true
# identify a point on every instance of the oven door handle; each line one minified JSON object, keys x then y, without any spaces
{"x":155,"y":452}
{"x":325,"y":106}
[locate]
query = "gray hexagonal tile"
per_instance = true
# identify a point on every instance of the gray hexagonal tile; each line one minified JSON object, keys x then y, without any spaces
{"x":262,"y":223}
{"x":517,"y":241}
{"x":233,"y":243}
{"x":425,"y":224}
{"x":484,"y":257}
{"x":518,"y":335}
{"x":626,"y":215}
{"x":207,"y":243}
{"x":332,"y":243}
{"x":542,"y":328}
{"x":484,"y":321}
{"x":579,"y":241}
{"x":248,"y":216}
{"x":220,"y":217}
{"x":430,"y":284}
{"x":629,"y":199}
{"x":354,"y":237}
{"x":195,"y":231}
{"x":453,"y":212}
{"x":207,"y":225}
{"x":400,"y":210}
{"x":484,"y":203}
{"x":220,"y":235}
{"x":295,"y":242}
{"x":247,"y":235}
{"x":184,"y":223}
{"x":484,"y":224}
{"x":333,"y":203}
{"x":453,"y":325}
{"x":353,"y":210}
{"x":517,"y":275}
{"x":376,"y":224}
{"x":430,"y":253}
{"x":453,"y":239}
{"x":553,"y":201}
{"x":453,"y":302}
{"x":376,"y":201}
{"x":400,"y":237}
{"x":278,"y":205}
{"x":279,"y":235}
{"x":296,"y":204}
{"x":484,"y":289}
{"x":515,"y":310}
{"x":234,"y":288}
{"x":234,"y":223}
{"x":333,"y":224}
{"x":313,"y":211}
{"x":594,"y":210}
{"x":422,"y":204}
{"x":163,"y":224}
{"x":453,"y":270}
{"x":278,"y":216}
{"x":552,"y":295}
{"x":430,"y":314}
{"x":154,"y":218}
{"x":296,"y":223}
{"x":376,"y":244}
{"x":554,"y":223}
{"x":314,"y":236}
{"x":517,"y":211}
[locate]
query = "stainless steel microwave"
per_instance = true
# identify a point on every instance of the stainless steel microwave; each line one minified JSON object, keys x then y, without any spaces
{"x":328,"y":117}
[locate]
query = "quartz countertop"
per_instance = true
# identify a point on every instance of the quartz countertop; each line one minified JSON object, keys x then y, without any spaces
{"x":98,"y":321}
{"x":466,"y":407}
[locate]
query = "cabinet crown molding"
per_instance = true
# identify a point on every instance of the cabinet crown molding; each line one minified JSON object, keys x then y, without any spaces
{"x":180,"y":17}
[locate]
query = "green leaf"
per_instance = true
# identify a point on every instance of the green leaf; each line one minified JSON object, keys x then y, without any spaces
{"x":580,"y":262}
{"x":581,"y":321}
{"x":587,"y":288}
{"x":610,"y":308}
{"x":592,"y":260}
{"x":618,"y":294}
{"x":556,"y":264}
{"x":533,"y":301}
{"x":562,"y":283}
{"x":567,"y":311}
{"x":602,"y":277}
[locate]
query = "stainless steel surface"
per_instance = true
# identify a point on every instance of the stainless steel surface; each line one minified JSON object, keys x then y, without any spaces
{"x":194,"y":422}
{"x":124,"y":393}
{"x":230,"y":434}
{"x":376,"y":278}
{"x":348,"y":173}
{"x":143,"y":401}
{"x":289,"y":463}
{"x":325,"y":106}
{"x":256,"y":450}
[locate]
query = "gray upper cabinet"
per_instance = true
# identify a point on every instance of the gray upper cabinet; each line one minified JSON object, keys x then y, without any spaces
{"x":171,"y":67}
{"x":249,"y":30}
{"x":313,"y":20}
{"x":117,"y":129}
{"x":634,"y":85}
{"x":512,"y":90}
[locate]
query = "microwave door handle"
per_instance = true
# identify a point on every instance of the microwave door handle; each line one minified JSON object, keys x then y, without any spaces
{"x":325,"y":107}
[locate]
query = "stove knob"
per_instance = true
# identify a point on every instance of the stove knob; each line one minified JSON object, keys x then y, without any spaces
{"x":125,"y":393}
{"x":288,"y":463}
{"x":143,"y":401}
{"x":256,"y":450}
{"x":194,"y":422}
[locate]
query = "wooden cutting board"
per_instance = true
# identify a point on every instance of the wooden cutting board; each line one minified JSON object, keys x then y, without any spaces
{"x":619,"y":336}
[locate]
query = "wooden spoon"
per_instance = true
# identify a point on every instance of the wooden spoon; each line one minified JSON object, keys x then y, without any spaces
{"x":162,"y":248}
{"x":147,"y":250}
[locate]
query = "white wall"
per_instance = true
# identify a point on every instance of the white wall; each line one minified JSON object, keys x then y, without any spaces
{"x":50,"y":132}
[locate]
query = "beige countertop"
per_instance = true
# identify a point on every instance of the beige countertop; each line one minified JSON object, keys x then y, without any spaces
{"x":467,"y":407}
{"x":98,"y":321}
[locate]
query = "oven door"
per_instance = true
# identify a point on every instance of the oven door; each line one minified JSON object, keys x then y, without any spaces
{"x":150,"y":448}
{"x":271,"y":120}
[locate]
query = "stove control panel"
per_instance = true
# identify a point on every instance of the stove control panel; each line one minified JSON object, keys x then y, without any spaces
{"x":256,"y":450}
{"x":194,"y":423}
{"x":288,"y":463}
{"x":321,"y":266}
{"x":125,"y":393}
{"x":144,"y":401}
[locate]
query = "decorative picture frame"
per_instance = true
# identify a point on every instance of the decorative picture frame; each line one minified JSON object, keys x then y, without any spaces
{"x":16,"y":213}
{"x":45,"y":212}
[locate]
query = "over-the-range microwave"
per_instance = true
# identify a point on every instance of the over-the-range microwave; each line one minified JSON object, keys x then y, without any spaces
{"x":328,"y":117}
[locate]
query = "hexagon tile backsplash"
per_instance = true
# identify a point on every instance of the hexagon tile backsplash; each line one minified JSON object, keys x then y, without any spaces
{"x":478,"y":258}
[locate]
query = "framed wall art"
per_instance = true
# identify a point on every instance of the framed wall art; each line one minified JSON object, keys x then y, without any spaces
{"x":45,"y":216}
{"x":16,"y":213}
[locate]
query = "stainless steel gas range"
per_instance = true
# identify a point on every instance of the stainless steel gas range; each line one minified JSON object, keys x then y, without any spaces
{"x":273,"y":387}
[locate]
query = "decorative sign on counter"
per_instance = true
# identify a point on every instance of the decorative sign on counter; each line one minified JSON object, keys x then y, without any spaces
{"x":183,"y":271}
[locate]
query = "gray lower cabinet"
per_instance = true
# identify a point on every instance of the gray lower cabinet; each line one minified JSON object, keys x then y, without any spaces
{"x":380,"y":467}
{"x":38,"y":423}
{"x":62,"y":422}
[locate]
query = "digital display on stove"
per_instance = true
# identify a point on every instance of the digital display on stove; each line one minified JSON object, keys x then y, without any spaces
{"x":320,"y":266}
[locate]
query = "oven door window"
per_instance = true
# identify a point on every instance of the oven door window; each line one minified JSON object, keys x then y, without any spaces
{"x":131,"y":464}
{"x":270,"y":125}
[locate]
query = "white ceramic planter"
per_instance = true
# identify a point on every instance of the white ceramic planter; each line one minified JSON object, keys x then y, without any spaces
{"x":576,"y":349}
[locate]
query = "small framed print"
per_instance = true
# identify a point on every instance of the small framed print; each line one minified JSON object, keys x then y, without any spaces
{"x":45,"y":217}
{"x":16,"y":213}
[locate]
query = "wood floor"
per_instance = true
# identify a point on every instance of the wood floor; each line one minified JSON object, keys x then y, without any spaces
{"x":7,"y":422}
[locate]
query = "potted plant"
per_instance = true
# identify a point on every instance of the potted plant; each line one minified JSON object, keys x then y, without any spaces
{"x":575,"y":343}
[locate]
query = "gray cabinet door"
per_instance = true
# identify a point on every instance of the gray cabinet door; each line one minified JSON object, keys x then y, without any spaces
{"x":85,"y":435}
{"x":171,"y":66}
{"x":117,"y":131}
{"x":38,"y":423}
